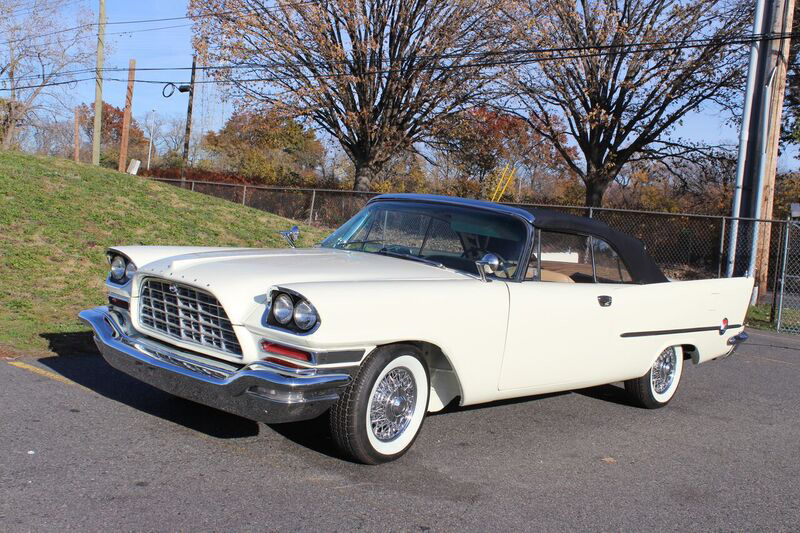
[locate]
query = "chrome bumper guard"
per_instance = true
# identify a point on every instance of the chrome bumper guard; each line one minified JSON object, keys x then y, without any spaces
{"x":253,"y":391}
{"x":736,"y":341}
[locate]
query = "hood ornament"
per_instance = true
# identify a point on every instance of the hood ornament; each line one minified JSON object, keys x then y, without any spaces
{"x":291,"y":236}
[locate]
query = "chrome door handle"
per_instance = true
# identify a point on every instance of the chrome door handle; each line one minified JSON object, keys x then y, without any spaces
{"x":604,"y":301}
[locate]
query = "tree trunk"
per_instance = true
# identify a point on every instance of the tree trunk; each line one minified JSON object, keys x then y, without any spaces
{"x":365,"y":173}
{"x":9,"y":135}
{"x":12,"y":111}
{"x":595,"y":189}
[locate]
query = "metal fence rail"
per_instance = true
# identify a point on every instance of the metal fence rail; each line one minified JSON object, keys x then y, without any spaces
{"x":685,"y":246}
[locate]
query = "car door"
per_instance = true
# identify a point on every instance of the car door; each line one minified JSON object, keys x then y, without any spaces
{"x":563,"y":327}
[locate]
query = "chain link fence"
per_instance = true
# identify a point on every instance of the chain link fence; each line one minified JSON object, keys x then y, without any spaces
{"x":685,"y":246}
{"x":788,"y":319}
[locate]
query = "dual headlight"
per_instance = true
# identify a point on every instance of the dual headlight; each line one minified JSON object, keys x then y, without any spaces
{"x":122,"y":268}
{"x":289,"y":310}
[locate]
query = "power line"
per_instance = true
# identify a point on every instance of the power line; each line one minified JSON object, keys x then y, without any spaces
{"x":572,"y":52}
{"x":145,"y":21}
{"x":645,"y":46}
{"x":34,"y":7}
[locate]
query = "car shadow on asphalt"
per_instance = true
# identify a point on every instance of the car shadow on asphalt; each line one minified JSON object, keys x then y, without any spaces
{"x":607,"y":393}
{"x":78,"y":360}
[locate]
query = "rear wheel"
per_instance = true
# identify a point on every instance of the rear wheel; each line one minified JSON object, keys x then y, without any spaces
{"x":656,"y":388}
{"x":380,"y":414}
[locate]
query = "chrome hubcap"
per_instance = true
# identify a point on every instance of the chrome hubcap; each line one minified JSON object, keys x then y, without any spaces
{"x":393,"y":404}
{"x":663,"y":372}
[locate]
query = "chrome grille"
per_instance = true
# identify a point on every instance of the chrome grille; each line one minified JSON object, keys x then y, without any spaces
{"x":187,"y":314}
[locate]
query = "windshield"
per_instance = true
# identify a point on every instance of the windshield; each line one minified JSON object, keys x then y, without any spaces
{"x":450,"y":236}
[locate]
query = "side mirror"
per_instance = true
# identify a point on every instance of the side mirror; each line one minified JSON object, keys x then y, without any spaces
{"x":489,"y":264}
{"x":291,"y":236}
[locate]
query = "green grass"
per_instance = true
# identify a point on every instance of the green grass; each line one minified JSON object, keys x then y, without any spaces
{"x":758,"y":317}
{"x":57,"y":218}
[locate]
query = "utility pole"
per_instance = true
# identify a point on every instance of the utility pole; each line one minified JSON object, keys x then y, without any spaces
{"x":188,"y":134}
{"x":759,"y":135}
{"x":782,"y":25}
{"x":152,"y":132}
{"x":98,"y":90}
{"x":126,"y":118}
{"x":77,"y":154}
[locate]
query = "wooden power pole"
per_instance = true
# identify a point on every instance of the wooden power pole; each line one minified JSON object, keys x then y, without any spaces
{"x":77,"y":154}
{"x":188,"y":133}
{"x":781,"y":24}
{"x":98,"y":90}
{"x":126,"y":118}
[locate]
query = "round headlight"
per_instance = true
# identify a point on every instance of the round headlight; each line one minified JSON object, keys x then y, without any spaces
{"x":305,"y":316}
{"x":118,"y":267}
{"x":130,"y":270}
{"x":282,"y":308}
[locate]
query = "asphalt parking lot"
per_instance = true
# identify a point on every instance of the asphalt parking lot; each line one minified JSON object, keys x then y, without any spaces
{"x":83,"y":446}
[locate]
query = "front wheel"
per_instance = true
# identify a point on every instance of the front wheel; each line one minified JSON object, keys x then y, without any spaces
{"x":656,"y":388}
{"x":379,"y":415}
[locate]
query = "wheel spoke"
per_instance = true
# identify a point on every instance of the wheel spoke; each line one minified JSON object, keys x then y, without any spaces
{"x":393,"y":404}
{"x":663,"y":371}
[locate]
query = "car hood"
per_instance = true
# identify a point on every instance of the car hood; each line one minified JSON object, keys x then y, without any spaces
{"x":241,"y":278}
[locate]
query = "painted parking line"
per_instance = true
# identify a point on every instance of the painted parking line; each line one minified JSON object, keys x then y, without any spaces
{"x":45,"y":373}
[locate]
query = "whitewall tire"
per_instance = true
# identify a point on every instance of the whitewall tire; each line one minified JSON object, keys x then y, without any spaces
{"x":380,"y":414}
{"x":656,"y":388}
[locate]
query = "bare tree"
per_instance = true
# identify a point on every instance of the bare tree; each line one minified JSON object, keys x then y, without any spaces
{"x":171,"y":134}
{"x":42,"y":46}
{"x":48,"y":134}
{"x":153,"y":125}
{"x":374,"y":74}
{"x":616,"y":76}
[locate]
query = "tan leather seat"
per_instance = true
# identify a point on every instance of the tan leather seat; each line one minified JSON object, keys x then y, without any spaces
{"x":550,"y":275}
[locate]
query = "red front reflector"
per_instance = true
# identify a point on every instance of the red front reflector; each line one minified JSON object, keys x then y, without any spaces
{"x":284,"y":362}
{"x":724,"y":323}
{"x":285,"y":351}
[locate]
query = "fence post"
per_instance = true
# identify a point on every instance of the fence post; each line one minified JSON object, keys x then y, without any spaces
{"x":783,"y":272}
{"x":244,"y":195}
{"x":721,"y":247}
{"x":778,"y":262}
{"x":591,"y":212}
{"x":311,"y":211}
{"x":192,"y":185}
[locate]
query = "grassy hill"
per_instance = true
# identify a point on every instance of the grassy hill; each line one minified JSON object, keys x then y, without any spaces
{"x":57,"y":218}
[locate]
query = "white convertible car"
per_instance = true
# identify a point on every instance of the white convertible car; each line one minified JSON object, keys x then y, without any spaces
{"x":416,"y":302}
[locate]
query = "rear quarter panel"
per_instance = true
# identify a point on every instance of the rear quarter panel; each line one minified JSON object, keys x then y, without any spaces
{"x":650,"y":312}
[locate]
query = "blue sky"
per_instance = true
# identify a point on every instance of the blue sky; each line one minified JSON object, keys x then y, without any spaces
{"x":171,"y":47}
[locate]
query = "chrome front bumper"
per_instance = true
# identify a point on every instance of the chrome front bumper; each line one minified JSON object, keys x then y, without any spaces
{"x":253,"y":391}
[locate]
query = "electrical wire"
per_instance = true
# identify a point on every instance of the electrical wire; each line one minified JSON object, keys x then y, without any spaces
{"x":38,"y":7}
{"x":544,"y":54}
{"x":145,"y":21}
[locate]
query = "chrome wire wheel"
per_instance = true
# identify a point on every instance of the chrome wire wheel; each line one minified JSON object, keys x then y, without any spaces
{"x":663,"y":372}
{"x":392,"y":404}
{"x":657,"y":387}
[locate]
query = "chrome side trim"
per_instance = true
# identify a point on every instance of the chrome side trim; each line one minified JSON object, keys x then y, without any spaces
{"x":674,"y":331}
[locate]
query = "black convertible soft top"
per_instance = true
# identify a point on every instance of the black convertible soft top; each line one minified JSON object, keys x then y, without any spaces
{"x":640,"y":265}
